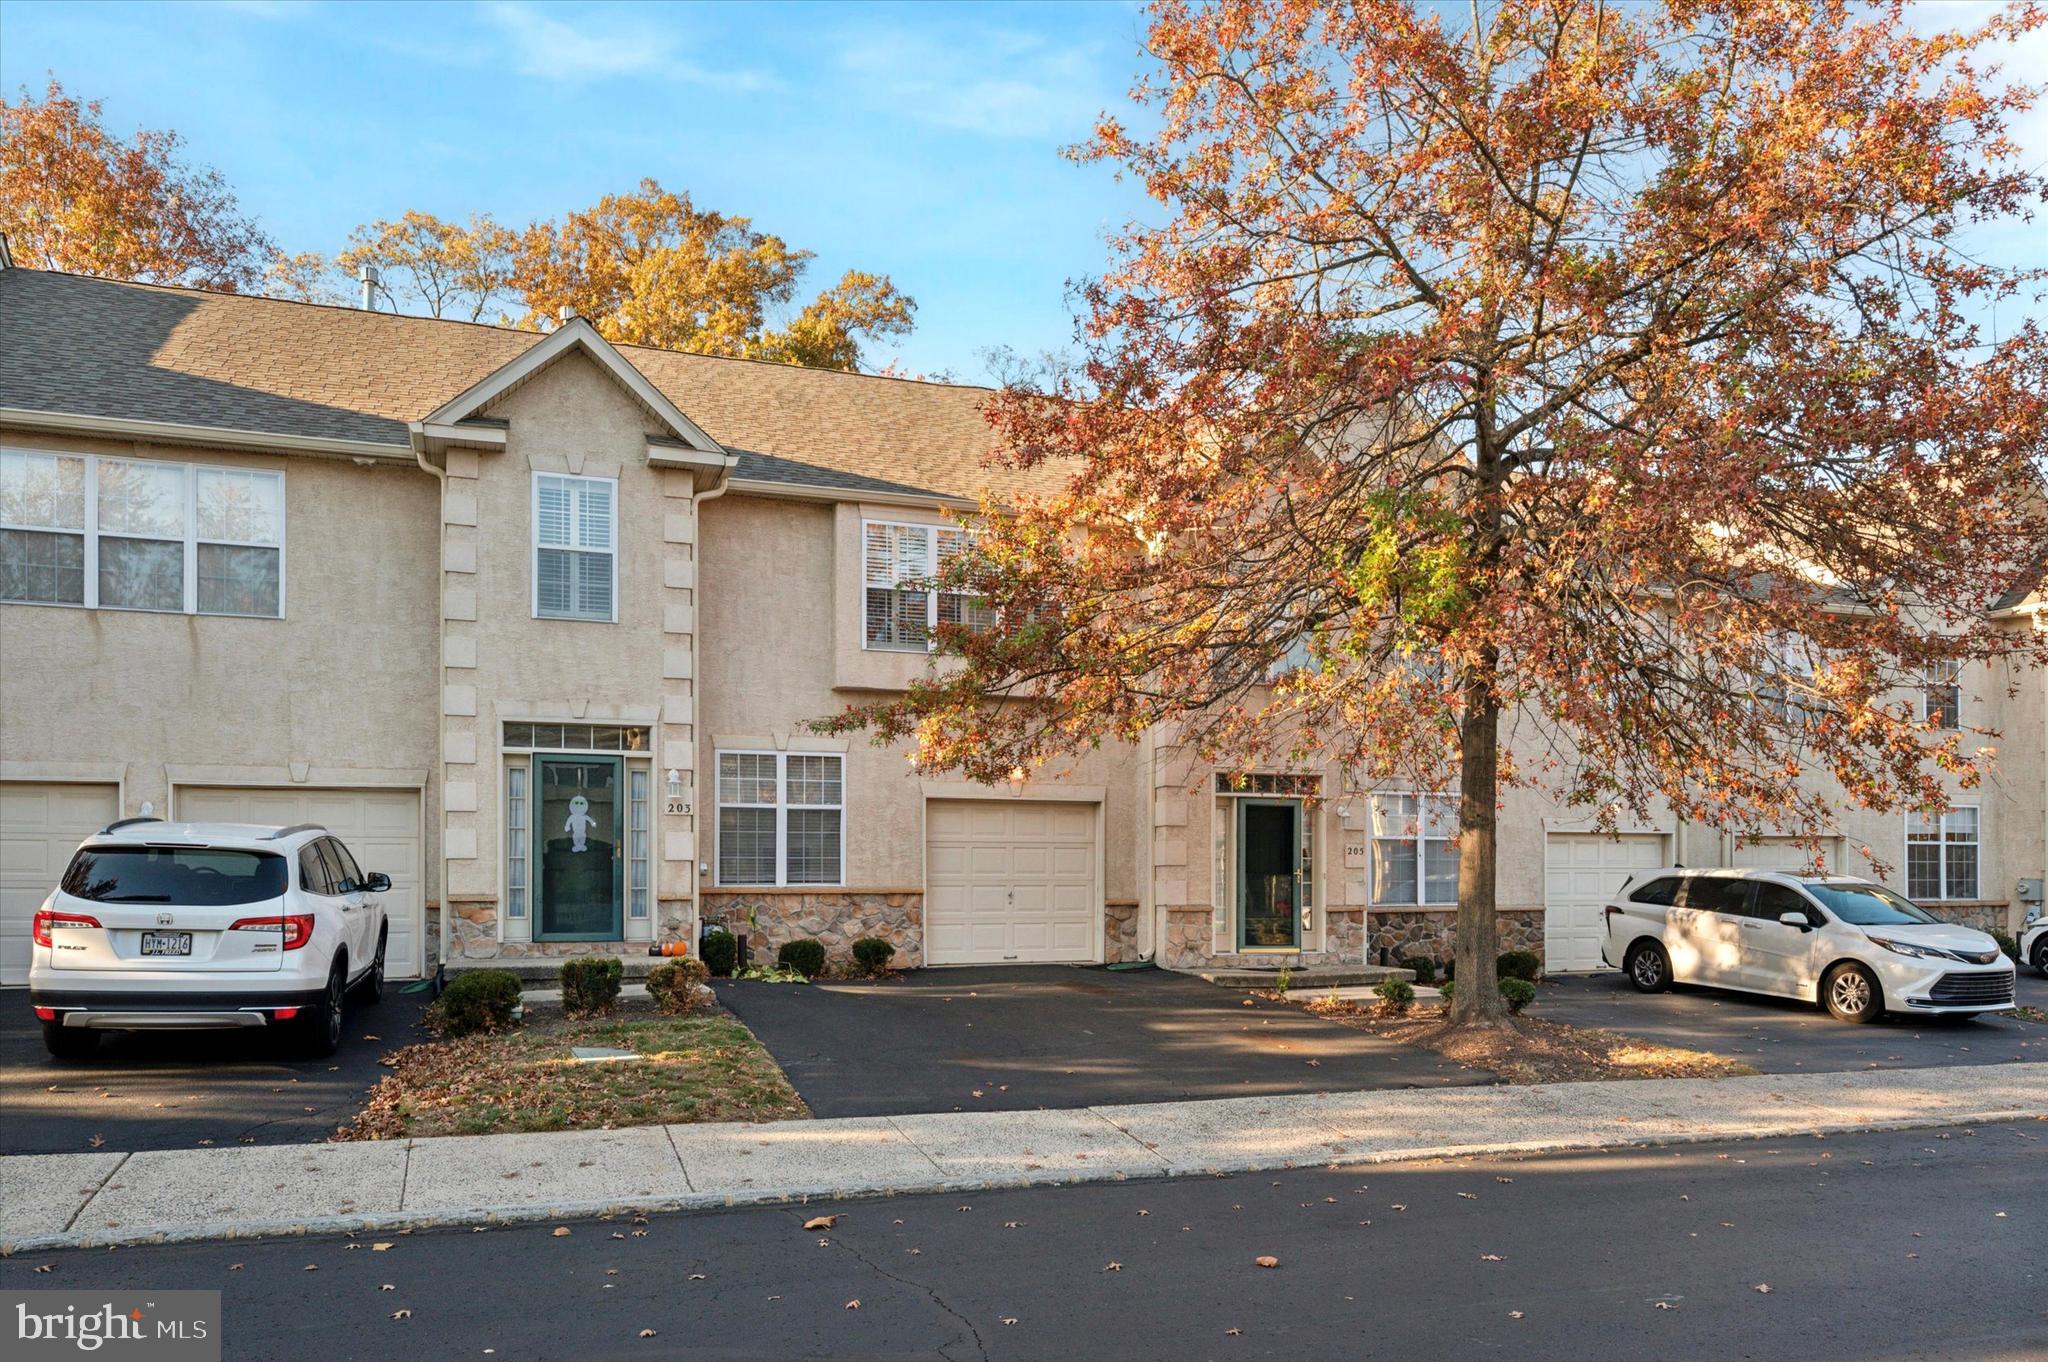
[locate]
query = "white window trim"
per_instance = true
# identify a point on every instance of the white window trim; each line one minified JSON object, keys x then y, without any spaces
{"x":191,"y":538}
{"x":1373,"y":839}
{"x":534,"y":547}
{"x":1929,"y":684}
{"x":931,"y":596}
{"x":782,"y":808}
{"x":1941,"y":841}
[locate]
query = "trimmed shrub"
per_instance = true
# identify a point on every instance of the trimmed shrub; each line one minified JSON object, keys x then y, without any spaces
{"x":1524,"y":965}
{"x":805,"y":956}
{"x":673,"y":985}
{"x":2007,"y":944}
{"x":591,"y":985}
{"x":1396,"y":995}
{"x":871,"y":956}
{"x":721,"y":952}
{"x":475,"y":1001}
{"x":1447,"y":987}
{"x":1424,"y":967}
{"x":1518,"y":992}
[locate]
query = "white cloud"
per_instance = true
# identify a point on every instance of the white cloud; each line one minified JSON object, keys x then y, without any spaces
{"x":1000,"y":83}
{"x":596,"y":44}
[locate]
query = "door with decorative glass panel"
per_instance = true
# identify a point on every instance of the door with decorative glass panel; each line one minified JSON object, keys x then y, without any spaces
{"x":578,"y":848}
{"x":1270,"y":880}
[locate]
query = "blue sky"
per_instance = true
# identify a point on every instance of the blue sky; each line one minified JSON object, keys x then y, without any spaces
{"x":920,"y":141}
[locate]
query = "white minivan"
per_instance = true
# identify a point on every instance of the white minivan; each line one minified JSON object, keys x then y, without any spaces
{"x":1855,"y":947}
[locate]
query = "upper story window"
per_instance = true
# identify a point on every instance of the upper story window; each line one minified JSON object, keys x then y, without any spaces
{"x":898,"y":564}
{"x":1941,"y":855}
{"x":575,"y":553}
{"x":140,"y":534}
{"x":1941,"y":694}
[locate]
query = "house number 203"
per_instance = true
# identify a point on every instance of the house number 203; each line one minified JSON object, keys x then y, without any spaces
{"x":676,"y":806}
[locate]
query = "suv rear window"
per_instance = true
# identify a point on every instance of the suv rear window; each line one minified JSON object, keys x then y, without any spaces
{"x":200,"y":877}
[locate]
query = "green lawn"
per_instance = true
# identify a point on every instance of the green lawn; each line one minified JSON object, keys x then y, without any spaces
{"x":694,"y":1069}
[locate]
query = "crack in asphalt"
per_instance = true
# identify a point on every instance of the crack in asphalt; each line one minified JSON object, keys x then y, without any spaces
{"x":930,"y":1292}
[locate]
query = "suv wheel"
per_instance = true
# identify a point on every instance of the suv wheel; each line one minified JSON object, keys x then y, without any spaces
{"x":2041,"y":954}
{"x":371,"y":989}
{"x":1850,"y":993}
{"x":1647,"y":967}
{"x":323,"y":1021}
{"x":69,"y":1042}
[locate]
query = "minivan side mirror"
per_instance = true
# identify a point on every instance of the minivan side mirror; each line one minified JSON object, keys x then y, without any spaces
{"x":1798,"y":919}
{"x":376,"y":882}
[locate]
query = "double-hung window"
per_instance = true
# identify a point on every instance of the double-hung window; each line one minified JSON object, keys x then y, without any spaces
{"x":575,"y":547}
{"x":1941,"y":694}
{"x":901,"y":604}
{"x":1941,"y":855}
{"x":781,"y":818}
{"x":1414,"y":848}
{"x":140,"y":534}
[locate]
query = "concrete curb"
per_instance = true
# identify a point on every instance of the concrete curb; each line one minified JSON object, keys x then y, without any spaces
{"x":870,"y":1158}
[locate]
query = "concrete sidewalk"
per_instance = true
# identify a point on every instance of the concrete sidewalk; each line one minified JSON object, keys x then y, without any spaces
{"x":78,"y":1200}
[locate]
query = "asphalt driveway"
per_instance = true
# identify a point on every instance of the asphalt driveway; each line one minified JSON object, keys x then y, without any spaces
{"x":1778,"y":1035}
{"x":1021,"y":1037}
{"x":180,"y":1090}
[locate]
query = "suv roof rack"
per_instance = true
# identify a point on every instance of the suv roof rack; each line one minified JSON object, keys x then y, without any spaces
{"x":120,"y":823}
{"x":294,"y":830}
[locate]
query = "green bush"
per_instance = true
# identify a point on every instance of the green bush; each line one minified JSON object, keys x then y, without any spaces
{"x":591,"y":985}
{"x":1395,"y":994}
{"x":2007,"y":944}
{"x":721,"y":951}
{"x":673,"y":985}
{"x":871,"y":955}
{"x":805,"y":956}
{"x":1446,"y":988}
{"x":1424,"y":967}
{"x":1518,"y":992}
{"x":1523,"y":965}
{"x":475,"y":1001}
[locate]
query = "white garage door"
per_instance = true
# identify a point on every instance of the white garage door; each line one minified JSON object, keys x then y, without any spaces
{"x":40,"y":826}
{"x":1581,"y":872}
{"x":1782,"y":853}
{"x":1010,"y":882}
{"x":381,"y":828}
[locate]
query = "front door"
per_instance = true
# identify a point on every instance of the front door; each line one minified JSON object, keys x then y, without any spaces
{"x":578,"y":844}
{"x":1269,"y":874}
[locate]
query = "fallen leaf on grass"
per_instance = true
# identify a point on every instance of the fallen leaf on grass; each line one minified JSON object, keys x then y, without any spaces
{"x":821,"y":1222}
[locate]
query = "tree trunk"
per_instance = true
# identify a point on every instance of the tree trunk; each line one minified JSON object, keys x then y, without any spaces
{"x":1477,"y":995}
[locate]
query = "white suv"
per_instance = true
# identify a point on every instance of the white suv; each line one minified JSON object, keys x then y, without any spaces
{"x":2034,"y":941}
{"x":187,"y":926}
{"x":1853,"y":946}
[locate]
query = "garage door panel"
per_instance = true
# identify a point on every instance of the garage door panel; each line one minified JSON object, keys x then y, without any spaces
{"x":40,"y":826}
{"x":1583,"y":871}
{"x":1010,"y":882}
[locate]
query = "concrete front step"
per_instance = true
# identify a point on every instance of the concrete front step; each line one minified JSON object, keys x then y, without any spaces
{"x":549,"y":967}
{"x":1306,"y":980}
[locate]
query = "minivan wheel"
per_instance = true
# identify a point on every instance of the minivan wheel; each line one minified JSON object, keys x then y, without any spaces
{"x":1851,"y":994}
{"x":69,"y":1042}
{"x":371,"y":989}
{"x":323,"y":1025}
{"x":2041,"y":955}
{"x":1648,"y":967}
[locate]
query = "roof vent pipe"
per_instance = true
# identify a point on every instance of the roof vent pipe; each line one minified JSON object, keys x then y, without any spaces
{"x":371,"y":283}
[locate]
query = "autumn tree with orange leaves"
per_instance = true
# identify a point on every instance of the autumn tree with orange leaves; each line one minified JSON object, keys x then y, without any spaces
{"x":75,"y":196}
{"x":1588,"y":398}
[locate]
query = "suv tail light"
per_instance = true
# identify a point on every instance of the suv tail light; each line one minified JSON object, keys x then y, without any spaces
{"x":45,"y":918}
{"x":297,"y":927}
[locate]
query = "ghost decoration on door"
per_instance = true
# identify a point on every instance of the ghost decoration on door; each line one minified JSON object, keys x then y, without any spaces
{"x":580,"y":823}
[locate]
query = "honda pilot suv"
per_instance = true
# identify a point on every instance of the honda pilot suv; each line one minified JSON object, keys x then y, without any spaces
{"x":196,"y":926}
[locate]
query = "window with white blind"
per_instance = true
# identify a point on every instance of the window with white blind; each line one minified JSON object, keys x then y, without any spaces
{"x":575,"y":547}
{"x":140,"y":534}
{"x":900,"y":602}
{"x":1941,"y":855}
{"x":1414,"y":848}
{"x":781,"y":818}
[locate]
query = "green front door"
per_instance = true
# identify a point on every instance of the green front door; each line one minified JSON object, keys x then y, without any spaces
{"x":578,"y":846}
{"x":1269,"y":874}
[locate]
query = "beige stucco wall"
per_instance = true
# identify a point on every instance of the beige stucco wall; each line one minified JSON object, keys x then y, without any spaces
{"x":338,"y":692}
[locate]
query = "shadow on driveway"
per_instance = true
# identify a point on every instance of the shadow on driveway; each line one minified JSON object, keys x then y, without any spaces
{"x":180,"y":1090}
{"x":1022,"y":1037}
{"x":1781,"y":1035}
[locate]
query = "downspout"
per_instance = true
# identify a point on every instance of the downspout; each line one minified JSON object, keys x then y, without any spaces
{"x":419,"y":454}
{"x":699,"y":851}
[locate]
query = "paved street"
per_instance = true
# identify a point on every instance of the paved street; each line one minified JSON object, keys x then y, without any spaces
{"x":1625,"y":1254}
{"x":1780,"y":1035}
{"x":1019,"y":1037}
{"x":190,"y":1090}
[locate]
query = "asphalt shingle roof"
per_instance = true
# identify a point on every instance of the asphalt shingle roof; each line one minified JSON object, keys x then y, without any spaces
{"x":96,"y":347}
